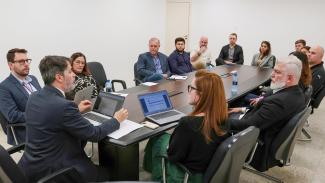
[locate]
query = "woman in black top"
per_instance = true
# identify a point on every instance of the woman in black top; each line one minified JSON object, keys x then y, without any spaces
{"x":197,"y":135}
{"x":83,"y":76}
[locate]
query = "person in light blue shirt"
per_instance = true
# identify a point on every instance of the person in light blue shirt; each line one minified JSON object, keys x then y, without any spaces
{"x":152,"y":65}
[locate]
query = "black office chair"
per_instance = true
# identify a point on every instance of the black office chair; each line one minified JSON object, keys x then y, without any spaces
{"x":12,"y":173}
{"x":228,"y":160}
{"x":9,"y":126}
{"x":136,"y":79}
{"x":308,"y":93}
{"x":98,"y":72}
{"x":283,"y":144}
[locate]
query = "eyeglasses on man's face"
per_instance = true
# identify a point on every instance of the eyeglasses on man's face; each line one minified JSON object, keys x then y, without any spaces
{"x":190,"y":88}
{"x":23,"y":61}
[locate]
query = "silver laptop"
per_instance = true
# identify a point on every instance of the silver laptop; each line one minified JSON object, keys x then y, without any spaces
{"x":157,"y":107}
{"x":105,"y":107}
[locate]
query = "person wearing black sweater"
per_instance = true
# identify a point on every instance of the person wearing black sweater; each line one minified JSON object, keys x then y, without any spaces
{"x":197,"y":135}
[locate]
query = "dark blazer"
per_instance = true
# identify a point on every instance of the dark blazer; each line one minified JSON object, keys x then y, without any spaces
{"x":55,"y":130}
{"x":270,"y":115}
{"x":318,"y":78}
{"x":238,"y":55}
{"x":13,"y":99}
{"x":179,"y":63}
{"x":146,"y":66}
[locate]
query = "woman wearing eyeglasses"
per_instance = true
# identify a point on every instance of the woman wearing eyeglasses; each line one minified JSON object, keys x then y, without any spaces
{"x":83,"y":76}
{"x":197,"y":135}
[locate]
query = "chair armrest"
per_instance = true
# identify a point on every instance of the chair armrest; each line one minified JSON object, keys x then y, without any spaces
{"x":137,"y":81}
{"x":16,"y":148}
{"x":118,"y":81}
{"x":66,"y":174}
{"x":178,"y":164}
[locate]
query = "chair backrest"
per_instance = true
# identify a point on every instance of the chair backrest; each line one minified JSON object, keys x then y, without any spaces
{"x":67,"y":175}
{"x":308,"y":92}
{"x":284,"y":142}
{"x":98,"y":73}
{"x":3,"y":122}
{"x":229,"y":158}
{"x":137,"y":79}
{"x":10,"y":168}
{"x":318,"y":97}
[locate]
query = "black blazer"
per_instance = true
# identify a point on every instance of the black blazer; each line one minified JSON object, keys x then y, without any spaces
{"x":270,"y":115}
{"x":54,"y":131}
{"x":238,"y":55}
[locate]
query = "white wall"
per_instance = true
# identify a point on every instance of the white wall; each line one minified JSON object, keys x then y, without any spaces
{"x":279,"y":21}
{"x":113,"y":32}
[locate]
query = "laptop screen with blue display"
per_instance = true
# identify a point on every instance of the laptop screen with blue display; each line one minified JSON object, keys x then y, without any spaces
{"x":155,"y":102}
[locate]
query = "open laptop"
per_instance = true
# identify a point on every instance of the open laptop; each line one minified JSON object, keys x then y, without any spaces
{"x":157,"y":107}
{"x":105,"y":107}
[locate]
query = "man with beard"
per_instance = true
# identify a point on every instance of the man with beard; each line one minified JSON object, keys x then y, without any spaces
{"x":231,"y":53}
{"x":179,"y":60}
{"x":15,"y":91}
{"x":56,"y":127}
{"x":273,"y":112}
{"x":201,"y":56}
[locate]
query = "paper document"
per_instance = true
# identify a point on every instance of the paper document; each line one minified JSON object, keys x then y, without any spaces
{"x":126,"y":127}
{"x":119,"y":94}
{"x":177,"y":77}
{"x":149,"y":84}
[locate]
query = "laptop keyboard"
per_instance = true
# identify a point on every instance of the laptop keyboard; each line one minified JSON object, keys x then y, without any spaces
{"x":164,"y":115}
{"x":95,"y":117}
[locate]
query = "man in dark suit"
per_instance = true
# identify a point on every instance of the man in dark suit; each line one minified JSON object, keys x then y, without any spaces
{"x":152,"y":65}
{"x":273,"y":112}
{"x":231,"y":53}
{"x":14,"y":93}
{"x":56,"y":127}
{"x":179,"y":60}
{"x":315,"y":57}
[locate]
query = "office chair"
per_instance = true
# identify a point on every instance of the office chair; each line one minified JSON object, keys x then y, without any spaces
{"x":283,"y":144}
{"x":10,"y":126}
{"x":98,"y":72}
{"x":228,"y":160}
{"x":136,"y":79}
{"x":308,"y":93}
{"x":10,"y":172}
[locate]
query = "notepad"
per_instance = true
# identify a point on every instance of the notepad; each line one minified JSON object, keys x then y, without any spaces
{"x":126,"y":127}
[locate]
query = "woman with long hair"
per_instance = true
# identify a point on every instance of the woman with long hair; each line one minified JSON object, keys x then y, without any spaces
{"x":264,"y":58}
{"x":197,"y":135}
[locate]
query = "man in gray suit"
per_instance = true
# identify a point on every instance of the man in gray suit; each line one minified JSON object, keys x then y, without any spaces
{"x":14,"y":93}
{"x":56,"y":127}
{"x":152,"y":65}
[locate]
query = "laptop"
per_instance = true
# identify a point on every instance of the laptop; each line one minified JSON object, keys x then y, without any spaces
{"x":105,"y":107}
{"x":157,"y":107}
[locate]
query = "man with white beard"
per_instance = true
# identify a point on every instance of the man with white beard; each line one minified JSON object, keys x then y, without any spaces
{"x":273,"y":112}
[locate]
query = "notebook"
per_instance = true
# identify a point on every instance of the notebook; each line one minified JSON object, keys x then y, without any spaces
{"x":157,"y":107}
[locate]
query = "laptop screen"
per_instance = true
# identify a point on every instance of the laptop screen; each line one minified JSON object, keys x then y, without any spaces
{"x":155,"y":102}
{"x":108,"y":103}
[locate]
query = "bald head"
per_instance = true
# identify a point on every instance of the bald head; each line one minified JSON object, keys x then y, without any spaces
{"x":315,"y":55}
{"x":203,"y":41}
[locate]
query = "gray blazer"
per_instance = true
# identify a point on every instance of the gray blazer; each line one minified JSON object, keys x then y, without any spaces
{"x":13,"y":99}
{"x":267,"y":62}
{"x":146,"y":66}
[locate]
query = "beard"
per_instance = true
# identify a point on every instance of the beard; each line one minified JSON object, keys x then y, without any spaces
{"x":277,"y":85}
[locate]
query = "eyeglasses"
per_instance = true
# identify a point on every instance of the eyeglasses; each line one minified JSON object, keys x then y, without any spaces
{"x":79,"y":62}
{"x":190,"y":88}
{"x":22,"y":62}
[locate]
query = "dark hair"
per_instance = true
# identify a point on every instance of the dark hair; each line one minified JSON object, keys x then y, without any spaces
{"x":179,"y":39}
{"x":11,"y":53}
{"x":306,"y":47}
{"x":73,"y":57}
{"x":52,"y":65}
{"x":305,"y":76}
{"x":303,"y":42}
{"x":233,"y":34}
{"x":268,"y":51}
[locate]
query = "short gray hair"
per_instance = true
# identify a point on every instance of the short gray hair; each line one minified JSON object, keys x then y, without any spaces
{"x":292,"y":64}
{"x":154,"y":39}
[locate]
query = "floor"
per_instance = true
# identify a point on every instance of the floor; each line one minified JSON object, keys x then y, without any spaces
{"x":307,"y":162}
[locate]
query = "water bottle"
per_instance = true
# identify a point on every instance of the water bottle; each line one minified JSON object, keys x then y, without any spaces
{"x":108,"y":86}
{"x":234,"y":86}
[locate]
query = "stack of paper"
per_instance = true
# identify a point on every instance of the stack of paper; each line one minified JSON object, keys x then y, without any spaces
{"x":149,"y":83}
{"x":177,"y":77}
{"x":126,"y":127}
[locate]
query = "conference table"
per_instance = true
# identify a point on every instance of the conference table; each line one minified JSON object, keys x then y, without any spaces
{"x":121,"y":156}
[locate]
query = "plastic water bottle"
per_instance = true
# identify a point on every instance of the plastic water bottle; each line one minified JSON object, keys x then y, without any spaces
{"x":108,"y":86}
{"x":234,"y":86}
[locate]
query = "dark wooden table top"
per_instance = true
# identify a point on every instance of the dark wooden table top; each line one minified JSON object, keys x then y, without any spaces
{"x":248,"y":79}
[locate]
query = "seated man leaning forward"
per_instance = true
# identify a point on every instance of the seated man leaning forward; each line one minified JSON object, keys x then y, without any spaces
{"x":56,"y":128}
{"x":152,"y":65}
{"x":273,"y":112}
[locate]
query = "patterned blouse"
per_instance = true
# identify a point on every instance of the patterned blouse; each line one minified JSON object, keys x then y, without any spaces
{"x":82,"y":81}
